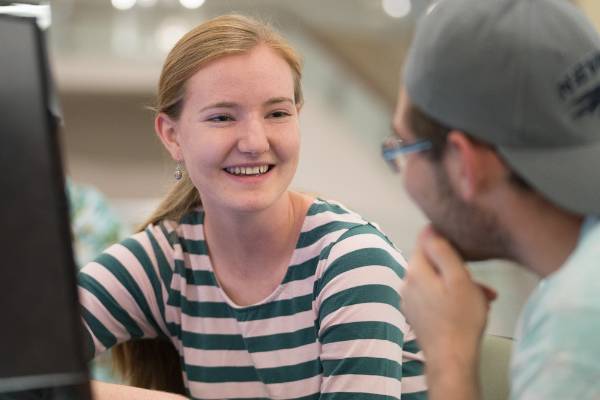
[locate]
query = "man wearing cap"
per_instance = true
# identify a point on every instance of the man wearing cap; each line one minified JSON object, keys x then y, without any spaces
{"x":499,"y":124}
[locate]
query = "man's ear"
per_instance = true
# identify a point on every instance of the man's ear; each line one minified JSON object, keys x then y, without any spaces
{"x":470,"y":165}
{"x":166,"y":130}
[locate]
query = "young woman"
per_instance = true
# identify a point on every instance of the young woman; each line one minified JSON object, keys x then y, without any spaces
{"x":259,"y":291}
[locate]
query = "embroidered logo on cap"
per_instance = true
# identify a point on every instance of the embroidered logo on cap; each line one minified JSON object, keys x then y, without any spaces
{"x":576,"y":80}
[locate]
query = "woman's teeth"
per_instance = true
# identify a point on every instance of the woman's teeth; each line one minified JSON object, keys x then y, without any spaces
{"x":248,"y":170}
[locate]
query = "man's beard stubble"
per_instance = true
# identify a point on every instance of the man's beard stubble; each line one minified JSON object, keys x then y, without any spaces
{"x":475,"y":233}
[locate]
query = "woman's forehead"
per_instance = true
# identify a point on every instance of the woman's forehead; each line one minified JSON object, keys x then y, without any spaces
{"x":261,"y":71}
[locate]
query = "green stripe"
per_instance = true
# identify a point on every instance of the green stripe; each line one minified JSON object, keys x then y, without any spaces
{"x":363,"y":366}
{"x":314,"y":396}
{"x":110,"y":303}
{"x":193,"y":218}
{"x":360,"y":295}
{"x":253,"y":344}
{"x":174,"y":298}
{"x":412,"y":347}
{"x":194,"y":246}
{"x":179,"y":268}
{"x":209,"y":309}
{"x":414,"y":396}
{"x":357,"y":259}
{"x":279,"y":308}
{"x":174,"y":328}
{"x":123,"y":276}
{"x":163,"y":267}
{"x":362,"y":330}
{"x":318,"y":208}
{"x":413,"y":368}
{"x":367,"y":229}
{"x":212,"y":341}
{"x":290,"y":373}
{"x":171,"y":237}
{"x":221,"y":374}
{"x":245,"y":398}
{"x":314,"y":235}
{"x":355,"y":396}
{"x":288,"y":340}
{"x":301,"y":271}
{"x":195,"y":277}
{"x":105,"y":337}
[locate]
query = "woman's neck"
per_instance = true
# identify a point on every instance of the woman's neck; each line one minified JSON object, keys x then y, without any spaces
{"x":250,"y":239}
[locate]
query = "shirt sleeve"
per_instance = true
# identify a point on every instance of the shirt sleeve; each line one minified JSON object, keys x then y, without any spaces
{"x":124,"y":290}
{"x":557,"y":358}
{"x":367,"y":349}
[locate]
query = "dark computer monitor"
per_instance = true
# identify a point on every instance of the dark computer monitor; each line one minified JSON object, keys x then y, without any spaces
{"x":41,"y":342}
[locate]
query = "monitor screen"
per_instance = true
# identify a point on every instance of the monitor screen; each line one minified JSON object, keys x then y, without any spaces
{"x":40,"y":340}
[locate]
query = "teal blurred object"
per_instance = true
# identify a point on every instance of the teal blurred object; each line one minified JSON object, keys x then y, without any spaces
{"x":95,"y":227}
{"x":494,"y":367}
{"x":94,"y":224}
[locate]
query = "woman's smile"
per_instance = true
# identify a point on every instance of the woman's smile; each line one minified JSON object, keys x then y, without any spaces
{"x":249,"y":174}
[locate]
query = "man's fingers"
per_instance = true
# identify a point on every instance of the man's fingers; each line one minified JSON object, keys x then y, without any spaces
{"x":442,"y":255}
{"x":489,"y":293}
{"x":419,"y":265}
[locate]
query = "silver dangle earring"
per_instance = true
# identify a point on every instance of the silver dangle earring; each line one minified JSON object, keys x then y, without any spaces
{"x":178,"y":174}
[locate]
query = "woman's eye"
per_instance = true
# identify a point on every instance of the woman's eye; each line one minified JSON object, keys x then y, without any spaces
{"x":279,"y":114}
{"x":220,"y":118}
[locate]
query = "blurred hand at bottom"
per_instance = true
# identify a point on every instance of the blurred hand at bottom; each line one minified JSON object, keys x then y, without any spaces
{"x":445,"y":307}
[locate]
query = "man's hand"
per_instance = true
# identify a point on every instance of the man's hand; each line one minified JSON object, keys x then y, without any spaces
{"x":448,"y":312}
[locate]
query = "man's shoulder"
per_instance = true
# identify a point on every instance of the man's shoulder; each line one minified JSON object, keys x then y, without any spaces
{"x":568,"y":299}
{"x":577,"y":282}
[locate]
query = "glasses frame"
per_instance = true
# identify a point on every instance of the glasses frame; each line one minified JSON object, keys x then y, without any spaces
{"x":394,"y":150}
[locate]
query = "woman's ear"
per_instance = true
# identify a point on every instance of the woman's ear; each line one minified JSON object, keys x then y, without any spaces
{"x":166,"y":129}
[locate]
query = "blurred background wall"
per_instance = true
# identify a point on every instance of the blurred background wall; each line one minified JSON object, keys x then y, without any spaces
{"x":106,"y":57}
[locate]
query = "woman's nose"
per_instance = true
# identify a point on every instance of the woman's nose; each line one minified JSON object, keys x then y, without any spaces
{"x":253,"y":138}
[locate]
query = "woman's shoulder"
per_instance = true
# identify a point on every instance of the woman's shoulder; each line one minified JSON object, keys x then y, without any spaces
{"x":187,"y":227}
{"x":330,"y":222}
{"x":357,"y":251}
{"x":326,"y":213}
{"x":327,"y":210}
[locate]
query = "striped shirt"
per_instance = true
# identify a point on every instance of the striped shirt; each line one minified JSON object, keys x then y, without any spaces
{"x":331,"y":330}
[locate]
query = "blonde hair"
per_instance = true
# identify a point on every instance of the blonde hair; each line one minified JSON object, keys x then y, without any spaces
{"x":154,"y":363}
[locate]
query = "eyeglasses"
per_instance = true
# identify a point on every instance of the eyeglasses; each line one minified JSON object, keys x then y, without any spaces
{"x":394,"y":151}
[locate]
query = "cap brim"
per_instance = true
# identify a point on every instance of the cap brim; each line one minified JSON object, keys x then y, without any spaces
{"x":568,"y":177}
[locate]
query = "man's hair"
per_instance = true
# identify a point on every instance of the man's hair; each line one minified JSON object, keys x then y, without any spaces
{"x":425,"y":127}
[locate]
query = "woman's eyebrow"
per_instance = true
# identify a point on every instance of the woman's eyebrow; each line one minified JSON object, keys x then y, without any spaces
{"x":276,"y":100}
{"x":229,"y":104}
{"x":220,"y":104}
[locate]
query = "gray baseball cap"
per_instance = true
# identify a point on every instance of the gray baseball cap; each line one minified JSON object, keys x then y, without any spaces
{"x":522,"y":75}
